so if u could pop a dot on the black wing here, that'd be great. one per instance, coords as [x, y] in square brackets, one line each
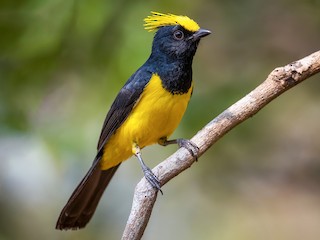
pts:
[123, 105]
[85, 198]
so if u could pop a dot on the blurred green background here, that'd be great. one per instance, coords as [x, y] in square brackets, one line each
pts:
[61, 65]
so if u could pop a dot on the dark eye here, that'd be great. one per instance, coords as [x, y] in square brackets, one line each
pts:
[178, 35]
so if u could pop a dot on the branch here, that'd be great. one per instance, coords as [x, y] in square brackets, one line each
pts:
[279, 80]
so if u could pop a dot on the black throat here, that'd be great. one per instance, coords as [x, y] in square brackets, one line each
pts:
[175, 74]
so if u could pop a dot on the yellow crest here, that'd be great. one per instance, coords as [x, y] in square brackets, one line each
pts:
[157, 20]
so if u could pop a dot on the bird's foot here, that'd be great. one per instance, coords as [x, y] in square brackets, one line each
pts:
[152, 179]
[192, 148]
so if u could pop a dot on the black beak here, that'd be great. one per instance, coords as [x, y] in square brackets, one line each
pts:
[200, 34]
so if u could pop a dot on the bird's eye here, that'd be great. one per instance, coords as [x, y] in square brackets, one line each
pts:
[178, 35]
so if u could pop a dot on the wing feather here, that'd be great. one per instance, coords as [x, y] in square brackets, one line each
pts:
[123, 105]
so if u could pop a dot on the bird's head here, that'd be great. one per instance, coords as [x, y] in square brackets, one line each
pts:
[176, 36]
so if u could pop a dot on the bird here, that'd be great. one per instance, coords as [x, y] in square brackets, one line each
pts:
[146, 111]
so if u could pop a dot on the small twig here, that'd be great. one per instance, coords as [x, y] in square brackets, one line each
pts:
[279, 80]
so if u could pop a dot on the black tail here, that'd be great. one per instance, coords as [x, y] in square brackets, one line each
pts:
[85, 198]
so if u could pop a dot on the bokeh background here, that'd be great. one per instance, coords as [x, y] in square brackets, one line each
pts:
[61, 65]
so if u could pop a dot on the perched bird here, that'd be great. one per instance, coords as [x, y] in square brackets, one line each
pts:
[147, 110]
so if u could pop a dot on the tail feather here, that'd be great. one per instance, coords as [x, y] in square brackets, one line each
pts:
[85, 198]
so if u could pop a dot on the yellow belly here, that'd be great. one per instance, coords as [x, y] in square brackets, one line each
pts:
[157, 114]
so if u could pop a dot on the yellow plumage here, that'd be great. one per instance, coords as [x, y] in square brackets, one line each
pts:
[157, 20]
[157, 114]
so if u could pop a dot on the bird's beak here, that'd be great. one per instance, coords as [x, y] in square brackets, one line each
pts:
[200, 34]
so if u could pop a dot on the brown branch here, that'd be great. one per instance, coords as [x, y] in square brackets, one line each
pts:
[279, 80]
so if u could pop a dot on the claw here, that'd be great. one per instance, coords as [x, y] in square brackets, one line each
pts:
[190, 146]
[152, 179]
[148, 174]
[185, 143]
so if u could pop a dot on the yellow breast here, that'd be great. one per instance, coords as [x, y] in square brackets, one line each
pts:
[156, 114]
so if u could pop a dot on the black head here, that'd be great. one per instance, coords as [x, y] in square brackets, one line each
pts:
[176, 42]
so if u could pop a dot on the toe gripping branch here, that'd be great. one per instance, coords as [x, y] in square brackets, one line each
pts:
[185, 143]
[148, 174]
